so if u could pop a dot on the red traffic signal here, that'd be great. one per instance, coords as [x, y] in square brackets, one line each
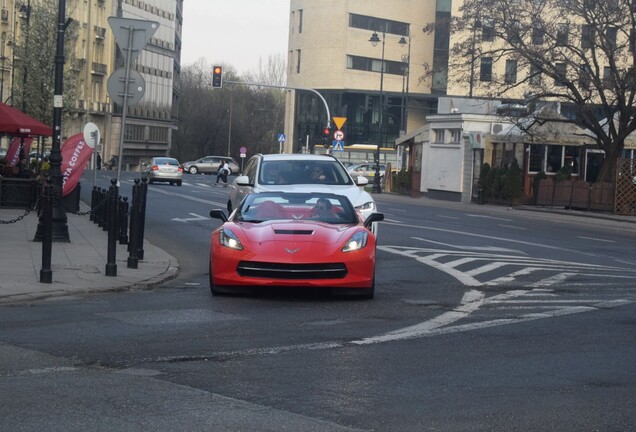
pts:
[217, 76]
[326, 131]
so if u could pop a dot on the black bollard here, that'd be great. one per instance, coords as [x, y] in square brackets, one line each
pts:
[143, 192]
[106, 205]
[46, 274]
[123, 220]
[133, 259]
[111, 264]
[101, 201]
[93, 204]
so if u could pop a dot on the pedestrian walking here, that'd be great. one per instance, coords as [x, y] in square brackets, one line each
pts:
[224, 170]
[99, 161]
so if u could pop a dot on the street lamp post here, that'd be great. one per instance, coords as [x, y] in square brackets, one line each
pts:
[407, 73]
[2, 59]
[60, 225]
[377, 187]
[26, 9]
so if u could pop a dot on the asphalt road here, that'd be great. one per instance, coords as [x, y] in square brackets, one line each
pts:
[484, 319]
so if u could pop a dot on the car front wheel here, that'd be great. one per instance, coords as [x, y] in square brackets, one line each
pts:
[193, 170]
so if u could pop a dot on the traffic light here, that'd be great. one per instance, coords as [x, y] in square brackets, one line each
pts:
[326, 137]
[217, 76]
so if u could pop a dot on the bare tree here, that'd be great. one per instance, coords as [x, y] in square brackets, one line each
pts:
[218, 121]
[271, 72]
[35, 71]
[576, 52]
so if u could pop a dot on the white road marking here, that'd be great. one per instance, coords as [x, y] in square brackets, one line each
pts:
[488, 217]
[192, 219]
[476, 248]
[447, 217]
[596, 239]
[513, 227]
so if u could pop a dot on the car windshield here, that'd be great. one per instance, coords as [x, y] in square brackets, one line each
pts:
[289, 172]
[323, 207]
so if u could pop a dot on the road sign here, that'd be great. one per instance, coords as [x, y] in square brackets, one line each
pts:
[91, 135]
[282, 138]
[338, 135]
[116, 85]
[141, 31]
[338, 146]
[243, 149]
[339, 121]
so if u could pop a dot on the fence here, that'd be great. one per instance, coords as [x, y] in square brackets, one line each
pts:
[576, 195]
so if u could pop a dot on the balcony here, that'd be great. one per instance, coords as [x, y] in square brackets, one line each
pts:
[100, 32]
[98, 68]
[78, 64]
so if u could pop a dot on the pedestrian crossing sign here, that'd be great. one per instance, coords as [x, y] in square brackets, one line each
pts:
[338, 146]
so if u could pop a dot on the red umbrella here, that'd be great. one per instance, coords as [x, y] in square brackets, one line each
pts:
[15, 122]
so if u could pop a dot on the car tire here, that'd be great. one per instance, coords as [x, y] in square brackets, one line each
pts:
[150, 181]
[193, 170]
[179, 183]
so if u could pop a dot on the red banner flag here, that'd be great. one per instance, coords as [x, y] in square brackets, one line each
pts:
[13, 153]
[75, 154]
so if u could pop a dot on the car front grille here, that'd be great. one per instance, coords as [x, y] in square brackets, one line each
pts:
[291, 271]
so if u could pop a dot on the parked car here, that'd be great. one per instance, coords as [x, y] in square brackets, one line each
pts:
[210, 165]
[163, 169]
[299, 173]
[366, 170]
[294, 240]
[3, 153]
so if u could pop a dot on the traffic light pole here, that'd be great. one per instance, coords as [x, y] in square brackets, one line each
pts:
[291, 88]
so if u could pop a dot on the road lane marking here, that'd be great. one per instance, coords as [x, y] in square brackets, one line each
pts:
[596, 239]
[488, 217]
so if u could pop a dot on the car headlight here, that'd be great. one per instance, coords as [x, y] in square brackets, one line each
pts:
[229, 239]
[366, 207]
[356, 242]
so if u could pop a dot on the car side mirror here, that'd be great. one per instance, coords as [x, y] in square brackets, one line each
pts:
[361, 181]
[373, 217]
[220, 214]
[243, 181]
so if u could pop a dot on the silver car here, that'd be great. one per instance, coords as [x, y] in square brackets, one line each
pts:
[163, 169]
[210, 165]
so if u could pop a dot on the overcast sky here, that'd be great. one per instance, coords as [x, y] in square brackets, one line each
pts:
[235, 32]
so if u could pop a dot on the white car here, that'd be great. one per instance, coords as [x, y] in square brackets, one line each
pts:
[366, 170]
[300, 173]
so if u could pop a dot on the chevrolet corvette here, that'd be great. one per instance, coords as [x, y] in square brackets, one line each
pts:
[294, 240]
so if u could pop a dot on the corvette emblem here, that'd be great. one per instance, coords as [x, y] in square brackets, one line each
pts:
[292, 251]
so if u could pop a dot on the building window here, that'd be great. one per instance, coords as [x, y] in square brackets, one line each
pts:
[374, 65]
[300, 21]
[298, 56]
[561, 74]
[535, 75]
[611, 37]
[439, 135]
[562, 35]
[485, 73]
[511, 72]
[584, 77]
[537, 157]
[456, 135]
[538, 35]
[378, 24]
[587, 36]
[487, 30]
[608, 80]
[554, 159]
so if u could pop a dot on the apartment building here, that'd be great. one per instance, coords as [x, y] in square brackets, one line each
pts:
[149, 124]
[353, 53]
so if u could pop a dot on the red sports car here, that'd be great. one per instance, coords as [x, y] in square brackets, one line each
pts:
[279, 239]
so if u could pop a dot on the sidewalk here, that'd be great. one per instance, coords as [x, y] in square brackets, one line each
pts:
[77, 267]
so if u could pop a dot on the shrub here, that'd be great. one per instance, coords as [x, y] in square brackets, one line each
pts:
[512, 182]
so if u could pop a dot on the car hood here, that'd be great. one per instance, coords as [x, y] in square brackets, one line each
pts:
[296, 232]
[356, 195]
